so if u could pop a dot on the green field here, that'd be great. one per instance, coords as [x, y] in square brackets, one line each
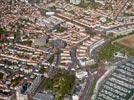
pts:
[43, 69]
[94, 66]
[3, 31]
[107, 52]
[61, 84]
[51, 59]
[16, 81]
[1, 76]
[91, 91]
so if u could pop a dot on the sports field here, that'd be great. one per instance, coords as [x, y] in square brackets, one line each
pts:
[127, 41]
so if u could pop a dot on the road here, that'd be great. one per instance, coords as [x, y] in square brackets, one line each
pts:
[85, 92]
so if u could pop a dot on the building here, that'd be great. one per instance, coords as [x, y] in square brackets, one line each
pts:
[76, 2]
[41, 41]
[100, 1]
[119, 84]
[43, 96]
[34, 85]
[81, 74]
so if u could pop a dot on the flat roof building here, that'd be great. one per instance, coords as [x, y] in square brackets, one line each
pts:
[43, 96]
[75, 1]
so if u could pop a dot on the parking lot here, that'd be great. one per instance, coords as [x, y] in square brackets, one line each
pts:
[120, 84]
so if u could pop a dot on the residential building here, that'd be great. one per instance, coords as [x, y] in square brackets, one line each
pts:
[75, 2]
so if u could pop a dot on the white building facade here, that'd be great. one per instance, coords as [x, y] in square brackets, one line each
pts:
[75, 1]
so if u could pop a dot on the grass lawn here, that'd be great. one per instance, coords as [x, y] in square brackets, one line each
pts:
[130, 51]
[0, 45]
[94, 66]
[43, 69]
[51, 59]
[61, 29]
[16, 81]
[1, 76]
[91, 91]
[107, 52]
[1, 42]
[3, 31]
[128, 14]
[128, 43]
[61, 84]
[83, 5]
[130, 94]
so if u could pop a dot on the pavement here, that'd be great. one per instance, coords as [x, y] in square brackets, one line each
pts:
[85, 92]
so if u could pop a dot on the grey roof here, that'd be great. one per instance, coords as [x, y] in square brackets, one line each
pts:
[41, 41]
[43, 96]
